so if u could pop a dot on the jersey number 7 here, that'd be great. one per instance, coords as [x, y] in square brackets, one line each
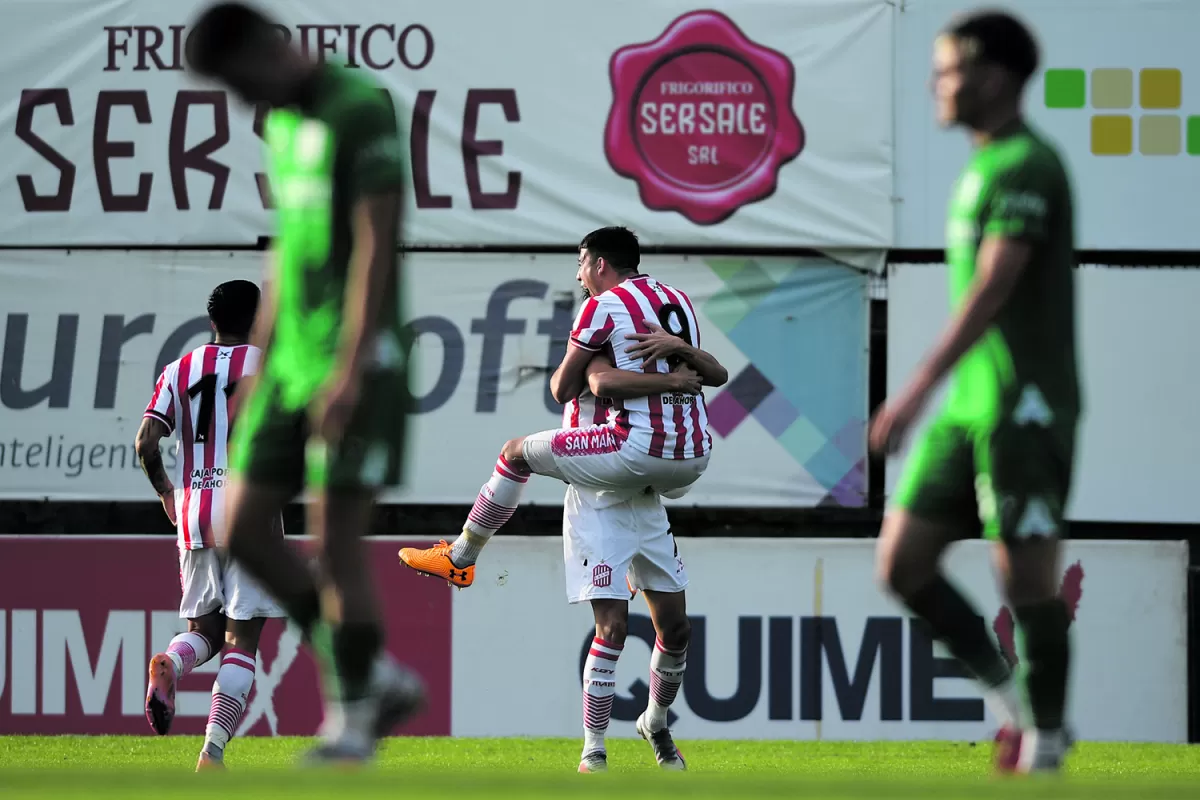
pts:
[206, 388]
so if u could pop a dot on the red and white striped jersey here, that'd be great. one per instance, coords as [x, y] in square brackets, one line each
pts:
[586, 410]
[192, 399]
[673, 426]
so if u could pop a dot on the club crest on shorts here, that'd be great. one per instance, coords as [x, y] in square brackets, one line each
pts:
[601, 576]
[702, 118]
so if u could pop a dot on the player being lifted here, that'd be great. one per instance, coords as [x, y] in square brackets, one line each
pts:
[1001, 450]
[224, 607]
[329, 407]
[654, 441]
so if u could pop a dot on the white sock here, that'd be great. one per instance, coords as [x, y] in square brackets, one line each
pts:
[229, 693]
[188, 651]
[1041, 749]
[1004, 703]
[494, 506]
[599, 688]
[666, 676]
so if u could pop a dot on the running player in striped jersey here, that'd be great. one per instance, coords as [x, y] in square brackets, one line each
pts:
[224, 607]
[629, 345]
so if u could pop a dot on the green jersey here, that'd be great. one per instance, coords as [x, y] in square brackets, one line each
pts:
[1025, 364]
[343, 146]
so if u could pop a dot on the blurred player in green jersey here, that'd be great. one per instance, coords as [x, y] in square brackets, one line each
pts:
[997, 459]
[327, 411]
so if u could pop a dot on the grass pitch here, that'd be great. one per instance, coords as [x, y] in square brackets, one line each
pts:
[128, 766]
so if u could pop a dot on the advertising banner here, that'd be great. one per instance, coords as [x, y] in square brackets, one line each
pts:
[1122, 107]
[809, 648]
[1136, 454]
[727, 124]
[86, 336]
[74, 650]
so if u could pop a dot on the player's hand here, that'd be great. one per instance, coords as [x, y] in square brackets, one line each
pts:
[336, 407]
[655, 345]
[688, 380]
[168, 504]
[894, 419]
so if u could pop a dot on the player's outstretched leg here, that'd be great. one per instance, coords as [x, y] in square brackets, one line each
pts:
[909, 555]
[1029, 571]
[497, 500]
[599, 680]
[186, 652]
[667, 665]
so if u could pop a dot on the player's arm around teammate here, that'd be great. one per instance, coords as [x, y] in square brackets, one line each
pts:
[662, 344]
[605, 380]
[570, 378]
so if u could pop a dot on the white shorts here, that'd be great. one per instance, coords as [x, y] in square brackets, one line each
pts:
[211, 581]
[597, 459]
[604, 546]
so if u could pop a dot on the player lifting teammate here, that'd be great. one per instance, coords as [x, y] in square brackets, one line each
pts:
[652, 441]
[328, 409]
[1001, 450]
[224, 608]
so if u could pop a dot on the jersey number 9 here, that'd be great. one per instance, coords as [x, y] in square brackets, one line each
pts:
[675, 322]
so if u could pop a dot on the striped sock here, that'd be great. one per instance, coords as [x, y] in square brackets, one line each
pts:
[188, 651]
[229, 693]
[497, 501]
[666, 676]
[599, 688]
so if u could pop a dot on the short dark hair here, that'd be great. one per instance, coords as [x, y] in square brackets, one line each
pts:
[997, 37]
[232, 306]
[222, 29]
[615, 244]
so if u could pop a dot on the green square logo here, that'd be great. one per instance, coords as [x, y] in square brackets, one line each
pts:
[1066, 88]
[1193, 136]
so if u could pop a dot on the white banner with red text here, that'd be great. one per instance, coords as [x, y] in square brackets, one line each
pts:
[86, 335]
[809, 649]
[730, 125]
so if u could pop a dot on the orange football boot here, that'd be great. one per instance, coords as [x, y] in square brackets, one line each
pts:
[435, 563]
[160, 694]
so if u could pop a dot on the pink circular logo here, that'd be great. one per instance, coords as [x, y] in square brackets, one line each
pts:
[702, 118]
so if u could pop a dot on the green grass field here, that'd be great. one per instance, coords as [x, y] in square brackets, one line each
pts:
[125, 766]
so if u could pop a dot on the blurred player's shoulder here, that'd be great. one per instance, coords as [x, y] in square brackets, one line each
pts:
[1030, 150]
[348, 96]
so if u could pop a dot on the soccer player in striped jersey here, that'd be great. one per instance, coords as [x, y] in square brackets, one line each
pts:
[652, 441]
[224, 607]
